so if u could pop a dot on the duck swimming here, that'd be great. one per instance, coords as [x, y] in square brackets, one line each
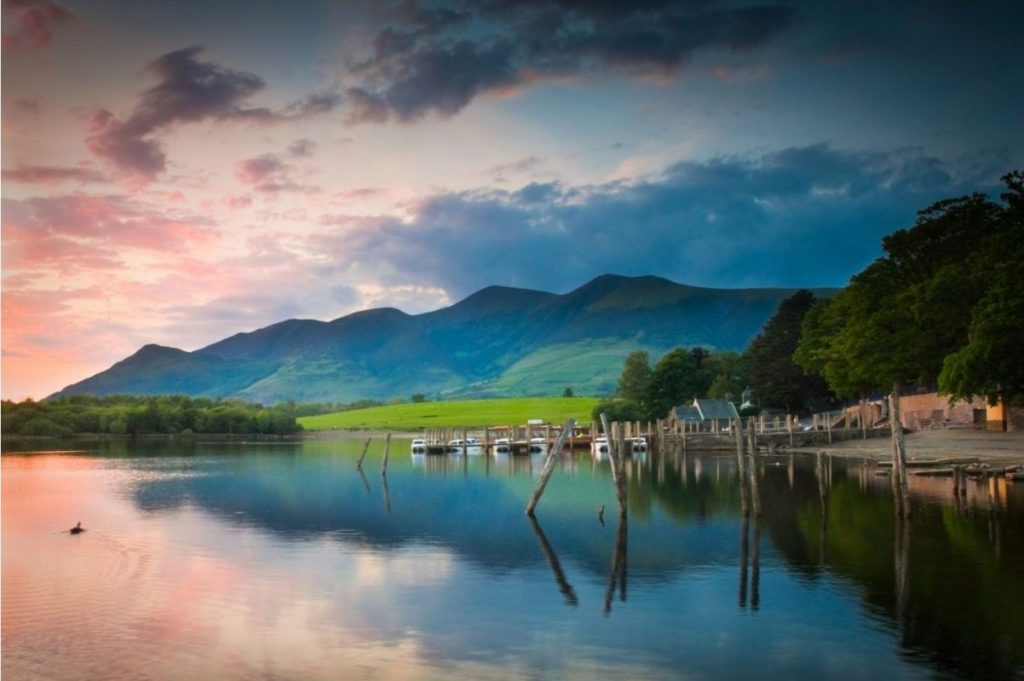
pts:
[77, 528]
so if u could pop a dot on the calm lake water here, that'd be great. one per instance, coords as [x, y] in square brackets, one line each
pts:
[281, 561]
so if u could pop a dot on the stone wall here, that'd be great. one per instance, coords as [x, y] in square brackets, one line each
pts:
[931, 410]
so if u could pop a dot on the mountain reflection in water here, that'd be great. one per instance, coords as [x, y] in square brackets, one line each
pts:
[309, 567]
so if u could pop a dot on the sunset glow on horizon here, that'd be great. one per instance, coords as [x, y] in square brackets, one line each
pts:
[176, 173]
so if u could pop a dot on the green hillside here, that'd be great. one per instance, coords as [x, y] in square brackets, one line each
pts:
[468, 413]
[498, 342]
[589, 367]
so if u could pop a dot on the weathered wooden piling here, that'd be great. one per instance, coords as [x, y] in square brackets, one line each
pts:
[741, 466]
[549, 465]
[387, 451]
[615, 461]
[899, 453]
[366, 447]
[755, 490]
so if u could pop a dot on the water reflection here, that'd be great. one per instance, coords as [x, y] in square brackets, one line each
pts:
[617, 574]
[441, 571]
[568, 593]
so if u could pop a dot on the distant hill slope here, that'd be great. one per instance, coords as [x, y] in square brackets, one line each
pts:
[497, 342]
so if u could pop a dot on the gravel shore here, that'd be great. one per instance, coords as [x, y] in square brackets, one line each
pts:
[993, 447]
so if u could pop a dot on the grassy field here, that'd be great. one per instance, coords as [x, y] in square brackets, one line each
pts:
[468, 413]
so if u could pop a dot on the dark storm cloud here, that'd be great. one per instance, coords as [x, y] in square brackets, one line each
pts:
[188, 91]
[806, 216]
[421, 66]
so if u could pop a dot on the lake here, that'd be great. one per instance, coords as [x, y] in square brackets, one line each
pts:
[283, 561]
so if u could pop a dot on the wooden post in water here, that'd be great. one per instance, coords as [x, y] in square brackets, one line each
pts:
[752, 422]
[617, 472]
[899, 452]
[789, 427]
[549, 465]
[755, 490]
[387, 451]
[465, 443]
[828, 426]
[362, 456]
[741, 466]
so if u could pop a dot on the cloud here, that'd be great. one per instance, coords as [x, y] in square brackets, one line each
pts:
[423, 62]
[32, 22]
[112, 223]
[526, 164]
[301, 148]
[52, 175]
[268, 173]
[803, 216]
[187, 91]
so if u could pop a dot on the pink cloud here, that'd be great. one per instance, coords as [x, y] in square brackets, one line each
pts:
[52, 175]
[32, 22]
[111, 221]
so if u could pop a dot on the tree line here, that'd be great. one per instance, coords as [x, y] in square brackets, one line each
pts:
[135, 415]
[943, 306]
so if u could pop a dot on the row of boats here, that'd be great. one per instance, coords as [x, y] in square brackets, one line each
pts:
[537, 445]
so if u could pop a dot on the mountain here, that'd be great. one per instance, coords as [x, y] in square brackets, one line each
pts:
[498, 341]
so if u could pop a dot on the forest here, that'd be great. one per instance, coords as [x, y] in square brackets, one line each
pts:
[135, 415]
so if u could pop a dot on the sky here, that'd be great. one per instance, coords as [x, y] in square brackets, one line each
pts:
[176, 173]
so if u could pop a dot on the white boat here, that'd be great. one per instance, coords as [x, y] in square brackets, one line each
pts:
[639, 444]
[469, 446]
[599, 447]
[419, 446]
[538, 445]
[502, 445]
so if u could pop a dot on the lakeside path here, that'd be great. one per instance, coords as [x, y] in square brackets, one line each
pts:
[995, 448]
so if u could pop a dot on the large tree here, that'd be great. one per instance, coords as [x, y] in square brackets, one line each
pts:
[991, 362]
[635, 378]
[776, 379]
[901, 318]
[676, 379]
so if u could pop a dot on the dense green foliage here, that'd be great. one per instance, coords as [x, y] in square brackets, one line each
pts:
[129, 415]
[776, 379]
[457, 413]
[680, 375]
[942, 305]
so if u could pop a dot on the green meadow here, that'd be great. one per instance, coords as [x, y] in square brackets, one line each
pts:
[468, 413]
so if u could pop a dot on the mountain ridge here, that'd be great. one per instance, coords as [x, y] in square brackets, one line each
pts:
[494, 342]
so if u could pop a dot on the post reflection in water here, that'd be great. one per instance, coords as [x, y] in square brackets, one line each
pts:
[568, 593]
[617, 574]
[744, 550]
[755, 575]
[901, 560]
[387, 494]
[366, 483]
[437, 569]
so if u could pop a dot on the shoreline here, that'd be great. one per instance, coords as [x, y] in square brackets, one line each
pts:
[1000, 448]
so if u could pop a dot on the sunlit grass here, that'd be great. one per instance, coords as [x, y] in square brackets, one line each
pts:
[469, 413]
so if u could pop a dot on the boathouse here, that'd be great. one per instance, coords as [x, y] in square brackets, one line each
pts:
[704, 414]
